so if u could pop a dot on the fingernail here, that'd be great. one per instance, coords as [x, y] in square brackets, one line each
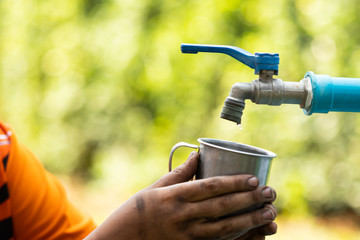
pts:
[253, 182]
[268, 215]
[267, 193]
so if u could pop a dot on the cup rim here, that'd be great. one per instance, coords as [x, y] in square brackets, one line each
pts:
[267, 154]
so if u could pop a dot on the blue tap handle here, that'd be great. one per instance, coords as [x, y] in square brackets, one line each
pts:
[257, 61]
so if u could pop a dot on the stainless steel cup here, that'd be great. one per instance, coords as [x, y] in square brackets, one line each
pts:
[220, 157]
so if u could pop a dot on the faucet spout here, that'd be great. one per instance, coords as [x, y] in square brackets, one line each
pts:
[233, 110]
[265, 91]
[235, 103]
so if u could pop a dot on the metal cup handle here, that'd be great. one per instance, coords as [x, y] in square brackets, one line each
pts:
[176, 146]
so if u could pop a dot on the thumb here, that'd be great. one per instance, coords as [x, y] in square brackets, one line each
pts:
[183, 173]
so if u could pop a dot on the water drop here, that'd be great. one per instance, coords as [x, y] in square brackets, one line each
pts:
[239, 126]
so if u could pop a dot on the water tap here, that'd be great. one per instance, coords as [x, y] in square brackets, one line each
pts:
[315, 93]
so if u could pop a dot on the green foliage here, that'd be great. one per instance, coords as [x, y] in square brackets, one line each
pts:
[100, 89]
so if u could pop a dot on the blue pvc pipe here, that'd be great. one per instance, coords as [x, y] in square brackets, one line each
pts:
[333, 94]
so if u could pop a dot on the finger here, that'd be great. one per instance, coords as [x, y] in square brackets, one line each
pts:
[268, 229]
[252, 237]
[234, 202]
[257, 237]
[260, 232]
[274, 195]
[272, 207]
[183, 173]
[212, 187]
[236, 224]
[246, 236]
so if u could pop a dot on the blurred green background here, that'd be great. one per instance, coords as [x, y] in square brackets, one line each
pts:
[100, 91]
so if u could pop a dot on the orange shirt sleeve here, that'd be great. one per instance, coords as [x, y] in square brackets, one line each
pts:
[39, 205]
[6, 227]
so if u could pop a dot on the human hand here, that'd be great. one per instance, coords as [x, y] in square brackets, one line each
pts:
[174, 208]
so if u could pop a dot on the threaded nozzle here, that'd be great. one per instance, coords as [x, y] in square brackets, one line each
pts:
[233, 109]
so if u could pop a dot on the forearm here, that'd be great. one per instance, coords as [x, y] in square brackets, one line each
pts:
[123, 223]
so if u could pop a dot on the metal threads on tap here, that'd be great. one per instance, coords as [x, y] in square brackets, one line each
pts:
[233, 109]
